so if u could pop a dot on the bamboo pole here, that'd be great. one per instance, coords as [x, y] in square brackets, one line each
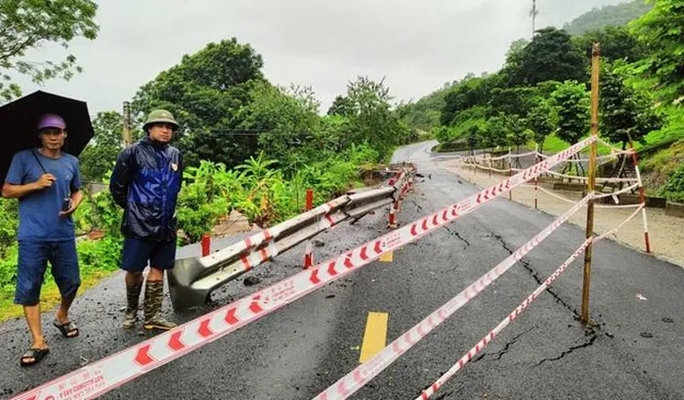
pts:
[595, 53]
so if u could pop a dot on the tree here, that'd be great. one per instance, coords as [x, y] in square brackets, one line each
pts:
[466, 94]
[98, 158]
[472, 137]
[371, 116]
[617, 43]
[517, 133]
[625, 113]
[340, 106]
[285, 120]
[661, 30]
[542, 120]
[495, 133]
[572, 102]
[550, 56]
[25, 25]
[515, 101]
[608, 15]
[206, 91]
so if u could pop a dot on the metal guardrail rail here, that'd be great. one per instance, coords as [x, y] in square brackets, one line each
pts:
[192, 280]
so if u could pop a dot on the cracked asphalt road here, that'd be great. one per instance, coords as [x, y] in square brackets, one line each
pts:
[635, 350]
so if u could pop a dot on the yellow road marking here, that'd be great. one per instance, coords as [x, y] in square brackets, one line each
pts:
[375, 336]
[387, 257]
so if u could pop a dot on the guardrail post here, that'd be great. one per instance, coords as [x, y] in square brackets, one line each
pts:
[309, 199]
[308, 256]
[392, 215]
[308, 252]
[206, 244]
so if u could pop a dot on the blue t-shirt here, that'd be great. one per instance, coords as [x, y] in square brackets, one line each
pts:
[39, 211]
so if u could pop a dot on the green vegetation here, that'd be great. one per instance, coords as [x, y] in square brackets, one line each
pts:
[250, 146]
[541, 96]
[30, 24]
[610, 15]
[256, 147]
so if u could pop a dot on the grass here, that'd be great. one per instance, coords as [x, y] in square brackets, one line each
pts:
[97, 260]
[50, 297]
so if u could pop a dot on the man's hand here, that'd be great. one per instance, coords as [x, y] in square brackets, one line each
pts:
[76, 198]
[67, 213]
[45, 181]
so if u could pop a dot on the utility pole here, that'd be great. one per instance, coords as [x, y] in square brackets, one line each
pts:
[126, 124]
[534, 13]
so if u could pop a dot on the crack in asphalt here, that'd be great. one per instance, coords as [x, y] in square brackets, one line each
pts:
[452, 232]
[535, 275]
[420, 208]
[593, 333]
[506, 348]
[458, 235]
[591, 341]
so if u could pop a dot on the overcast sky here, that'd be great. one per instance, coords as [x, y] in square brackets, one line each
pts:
[416, 44]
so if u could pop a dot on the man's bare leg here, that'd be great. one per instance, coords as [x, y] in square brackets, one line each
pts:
[32, 314]
[63, 311]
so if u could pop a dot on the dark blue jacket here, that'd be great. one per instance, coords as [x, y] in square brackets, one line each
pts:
[145, 183]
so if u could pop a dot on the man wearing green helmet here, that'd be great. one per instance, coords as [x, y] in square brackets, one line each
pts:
[145, 182]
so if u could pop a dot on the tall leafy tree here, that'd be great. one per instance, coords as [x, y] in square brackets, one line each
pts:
[372, 117]
[495, 133]
[341, 106]
[542, 120]
[25, 25]
[550, 56]
[468, 93]
[516, 101]
[100, 154]
[206, 91]
[517, 132]
[626, 114]
[617, 43]
[662, 31]
[572, 102]
[285, 119]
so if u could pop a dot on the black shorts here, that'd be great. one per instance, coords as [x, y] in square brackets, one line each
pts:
[138, 254]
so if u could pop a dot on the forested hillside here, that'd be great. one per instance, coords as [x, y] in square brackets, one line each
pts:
[541, 95]
[609, 15]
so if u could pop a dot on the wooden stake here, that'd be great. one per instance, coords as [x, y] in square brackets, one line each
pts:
[591, 187]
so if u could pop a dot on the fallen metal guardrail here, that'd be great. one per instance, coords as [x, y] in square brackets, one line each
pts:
[192, 280]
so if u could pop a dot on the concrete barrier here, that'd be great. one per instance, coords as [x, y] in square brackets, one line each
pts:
[651, 202]
[674, 209]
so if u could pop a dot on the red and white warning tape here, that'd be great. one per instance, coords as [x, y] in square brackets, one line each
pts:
[492, 335]
[111, 372]
[363, 374]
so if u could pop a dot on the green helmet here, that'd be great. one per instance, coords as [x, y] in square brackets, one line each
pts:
[159, 115]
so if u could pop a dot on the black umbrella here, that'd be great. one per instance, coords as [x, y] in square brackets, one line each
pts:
[18, 121]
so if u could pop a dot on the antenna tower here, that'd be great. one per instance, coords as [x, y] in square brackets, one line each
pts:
[534, 12]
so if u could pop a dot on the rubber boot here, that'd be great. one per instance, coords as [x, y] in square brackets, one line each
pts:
[131, 314]
[154, 294]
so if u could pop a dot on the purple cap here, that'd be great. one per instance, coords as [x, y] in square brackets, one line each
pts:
[51, 121]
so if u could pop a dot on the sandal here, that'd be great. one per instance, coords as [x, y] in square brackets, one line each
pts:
[68, 329]
[35, 354]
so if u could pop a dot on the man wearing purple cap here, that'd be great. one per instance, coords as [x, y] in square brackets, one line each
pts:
[47, 183]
